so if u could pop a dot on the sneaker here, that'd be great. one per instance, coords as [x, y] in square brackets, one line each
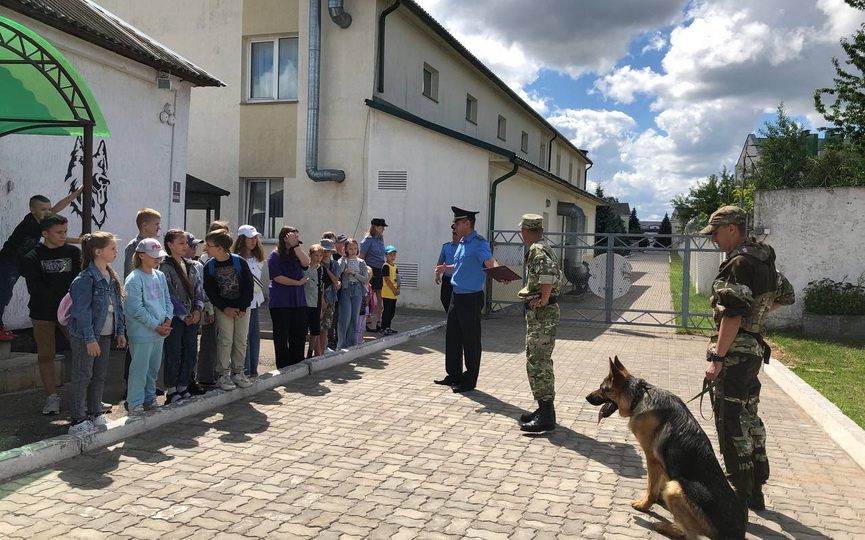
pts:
[196, 389]
[106, 407]
[81, 427]
[6, 335]
[224, 383]
[241, 380]
[186, 394]
[160, 392]
[138, 409]
[150, 405]
[100, 421]
[173, 397]
[52, 404]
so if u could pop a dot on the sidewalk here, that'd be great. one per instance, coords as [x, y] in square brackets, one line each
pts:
[373, 449]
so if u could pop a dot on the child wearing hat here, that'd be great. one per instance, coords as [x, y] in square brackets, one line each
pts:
[389, 290]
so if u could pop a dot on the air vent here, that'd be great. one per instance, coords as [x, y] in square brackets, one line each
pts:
[408, 275]
[392, 180]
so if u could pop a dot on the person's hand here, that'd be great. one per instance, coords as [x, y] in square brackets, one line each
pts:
[231, 312]
[208, 319]
[80, 189]
[438, 278]
[196, 317]
[713, 370]
[241, 314]
[304, 280]
[292, 239]
[163, 330]
[440, 269]
[505, 282]
[121, 342]
[338, 285]
[93, 349]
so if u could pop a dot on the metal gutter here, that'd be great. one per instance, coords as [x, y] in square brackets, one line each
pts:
[390, 9]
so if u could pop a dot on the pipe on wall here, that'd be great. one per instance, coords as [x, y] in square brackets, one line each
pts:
[381, 19]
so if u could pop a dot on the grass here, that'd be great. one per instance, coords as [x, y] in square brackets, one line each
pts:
[835, 368]
[697, 303]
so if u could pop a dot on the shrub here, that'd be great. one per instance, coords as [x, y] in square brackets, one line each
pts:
[827, 297]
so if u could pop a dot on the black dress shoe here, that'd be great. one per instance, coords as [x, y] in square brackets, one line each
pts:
[447, 381]
[196, 389]
[462, 387]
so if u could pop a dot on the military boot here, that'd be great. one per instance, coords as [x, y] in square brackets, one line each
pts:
[529, 416]
[756, 501]
[544, 421]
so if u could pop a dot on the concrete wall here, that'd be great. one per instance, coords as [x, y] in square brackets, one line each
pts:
[815, 233]
[140, 160]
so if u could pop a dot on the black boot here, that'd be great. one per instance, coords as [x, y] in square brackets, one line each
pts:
[756, 501]
[544, 421]
[529, 416]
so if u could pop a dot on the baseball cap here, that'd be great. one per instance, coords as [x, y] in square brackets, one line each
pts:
[327, 244]
[341, 238]
[390, 249]
[192, 240]
[152, 247]
[247, 231]
[726, 215]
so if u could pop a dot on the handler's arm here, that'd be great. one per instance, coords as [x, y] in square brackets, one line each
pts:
[726, 334]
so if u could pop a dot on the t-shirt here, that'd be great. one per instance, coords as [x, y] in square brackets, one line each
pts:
[49, 273]
[391, 271]
[24, 238]
[225, 287]
[313, 287]
[284, 295]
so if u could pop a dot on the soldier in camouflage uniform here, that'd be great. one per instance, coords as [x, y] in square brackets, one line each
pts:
[543, 285]
[746, 289]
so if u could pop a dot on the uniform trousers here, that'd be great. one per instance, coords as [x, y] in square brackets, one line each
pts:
[463, 338]
[446, 292]
[541, 325]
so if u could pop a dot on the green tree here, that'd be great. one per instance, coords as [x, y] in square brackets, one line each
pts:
[665, 228]
[704, 198]
[784, 161]
[607, 221]
[635, 228]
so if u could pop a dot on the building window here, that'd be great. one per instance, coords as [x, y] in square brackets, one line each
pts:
[471, 109]
[502, 132]
[273, 69]
[430, 82]
[570, 171]
[558, 165]
[524, 143]
[543, 156]
[264, 205]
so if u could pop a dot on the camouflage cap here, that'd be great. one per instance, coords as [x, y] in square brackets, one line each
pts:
[531, 222]
[726, 215]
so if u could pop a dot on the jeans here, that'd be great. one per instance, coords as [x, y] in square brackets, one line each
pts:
[88, 378]
[289, 334]
[9, 274]
[146, 360]
[253, 343]
[180, 354]
[350, 297]
[231, 336]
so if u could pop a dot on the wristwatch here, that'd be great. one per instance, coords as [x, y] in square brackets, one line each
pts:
[713, 357]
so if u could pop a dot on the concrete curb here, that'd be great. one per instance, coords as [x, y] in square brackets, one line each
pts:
[845, 432]
[31, 457]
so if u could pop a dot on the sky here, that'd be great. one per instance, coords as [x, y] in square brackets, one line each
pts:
[662, 93]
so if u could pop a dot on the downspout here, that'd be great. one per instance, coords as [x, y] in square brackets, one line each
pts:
[488, 300]
[550, 152]
[381, 18]
[343, 19]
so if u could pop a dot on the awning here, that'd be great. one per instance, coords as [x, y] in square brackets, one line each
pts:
[40, 91]
[201, 195]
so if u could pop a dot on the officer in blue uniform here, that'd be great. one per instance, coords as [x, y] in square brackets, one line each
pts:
[463, 335]
[446, 257]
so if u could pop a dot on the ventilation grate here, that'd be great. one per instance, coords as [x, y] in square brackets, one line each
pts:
[408, 275]
[392, 180]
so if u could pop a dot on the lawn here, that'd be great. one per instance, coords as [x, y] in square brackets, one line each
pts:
[697, 303]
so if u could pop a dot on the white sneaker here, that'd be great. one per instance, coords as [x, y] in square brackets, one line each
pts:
[100, 421]
[106, 407]
[81, 427]
[52, 404]
[138, 409]
[241, 380]
[225, 383]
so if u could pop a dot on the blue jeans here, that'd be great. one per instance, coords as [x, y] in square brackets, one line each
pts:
[180, 353]
[146, 359]
[253, 343]
[350, 297]
[9, 274]
[88, 378]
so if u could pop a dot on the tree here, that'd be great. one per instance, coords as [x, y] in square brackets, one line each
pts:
[784, 160]
[703, 199]
[665, 228]
[635, 228]
[607, 221]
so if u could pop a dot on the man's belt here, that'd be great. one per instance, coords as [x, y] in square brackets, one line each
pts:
[551, 301]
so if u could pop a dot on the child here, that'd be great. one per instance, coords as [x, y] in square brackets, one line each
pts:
[206, 311]
[49, 269]
[249, 247]
[187, 297]
[313, 287]
[96, 316]
[390, 290]
[329, 294]
[287, 297]
[354, 276]
[206, 366]
[229, 286]
[148, 311]
[24, 238]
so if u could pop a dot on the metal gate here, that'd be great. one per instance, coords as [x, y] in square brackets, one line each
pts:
[619, 278]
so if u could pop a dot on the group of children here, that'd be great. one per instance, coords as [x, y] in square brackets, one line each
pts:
[169, 296]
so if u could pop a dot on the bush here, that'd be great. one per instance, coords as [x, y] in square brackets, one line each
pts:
[827, 297]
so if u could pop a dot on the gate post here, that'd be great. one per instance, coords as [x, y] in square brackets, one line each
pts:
[686, 281]
[608, 286]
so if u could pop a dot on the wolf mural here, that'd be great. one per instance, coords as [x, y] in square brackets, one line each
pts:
[74, 177]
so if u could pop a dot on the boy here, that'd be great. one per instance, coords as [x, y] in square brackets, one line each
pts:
[229, 286]
[49, 269]
[192, 244]
[24, 238]
[389, 290]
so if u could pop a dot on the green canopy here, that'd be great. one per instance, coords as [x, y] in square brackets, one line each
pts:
[40, 91]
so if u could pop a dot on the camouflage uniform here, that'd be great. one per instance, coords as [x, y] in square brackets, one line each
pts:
[747, 284]
[542, 268]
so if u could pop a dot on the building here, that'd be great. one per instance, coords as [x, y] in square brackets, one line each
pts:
[367, 110]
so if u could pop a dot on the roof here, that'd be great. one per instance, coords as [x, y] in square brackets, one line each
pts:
[200, 186]
[620, 208]
[92, 23]
[440, 30]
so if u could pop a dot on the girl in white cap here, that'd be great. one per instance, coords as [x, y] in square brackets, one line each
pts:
[248, 246]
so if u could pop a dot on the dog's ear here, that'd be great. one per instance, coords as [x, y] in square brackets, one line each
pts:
[617, 369]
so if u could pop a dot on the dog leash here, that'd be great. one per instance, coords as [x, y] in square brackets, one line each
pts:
[707, 387]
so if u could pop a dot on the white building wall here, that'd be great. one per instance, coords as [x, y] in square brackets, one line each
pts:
[141, 158]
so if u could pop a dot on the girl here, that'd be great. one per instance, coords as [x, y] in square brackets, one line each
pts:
[287, 299]
[354, 276]
[313, 287]
[96, 316]
[187, 297]
[249, 247]
[372, 252]
[148, 311]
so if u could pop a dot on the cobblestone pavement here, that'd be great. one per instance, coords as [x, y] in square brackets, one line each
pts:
[373, 449]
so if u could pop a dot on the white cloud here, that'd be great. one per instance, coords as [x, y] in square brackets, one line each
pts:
[657, 42]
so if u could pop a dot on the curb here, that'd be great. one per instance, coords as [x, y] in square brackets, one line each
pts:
[845, 432]
[31, 457]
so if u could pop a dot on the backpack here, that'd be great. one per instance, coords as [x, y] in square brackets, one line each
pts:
[235, 258]
[64, 310]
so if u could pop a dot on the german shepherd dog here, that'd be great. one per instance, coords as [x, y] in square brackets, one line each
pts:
[681, 466]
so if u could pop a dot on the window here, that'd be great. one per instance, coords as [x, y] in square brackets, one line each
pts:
[273, 69]
[570, 171]
[264, 205]
[558, 164]
[503, 128]
[471, 109]
[543, 156]
[430, 82]
[524, 143]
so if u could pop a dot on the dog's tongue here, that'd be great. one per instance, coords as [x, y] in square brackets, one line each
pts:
[600, 415]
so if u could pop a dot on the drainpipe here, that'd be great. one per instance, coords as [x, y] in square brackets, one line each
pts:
[550, 152]
[343, 19]
[488, 300]
[381, 17]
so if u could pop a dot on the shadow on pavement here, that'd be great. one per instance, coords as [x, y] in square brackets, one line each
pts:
[788, 525]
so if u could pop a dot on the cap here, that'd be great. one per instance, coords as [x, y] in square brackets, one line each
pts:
[327, 244]
[726, 215]
[341, 238]
[531, 222]
[152, 247]
[459, 213]
[378, 222]
[192, 240]
[247, 231]
[390, 249]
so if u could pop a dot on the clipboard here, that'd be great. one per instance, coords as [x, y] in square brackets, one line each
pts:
[502, 273]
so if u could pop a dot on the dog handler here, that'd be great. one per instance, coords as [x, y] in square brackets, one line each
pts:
[746, 289]
[543, 285]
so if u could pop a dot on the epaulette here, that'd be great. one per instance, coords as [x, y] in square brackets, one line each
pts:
[479, 237]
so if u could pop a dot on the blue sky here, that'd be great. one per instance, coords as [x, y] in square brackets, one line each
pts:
[661, 92]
